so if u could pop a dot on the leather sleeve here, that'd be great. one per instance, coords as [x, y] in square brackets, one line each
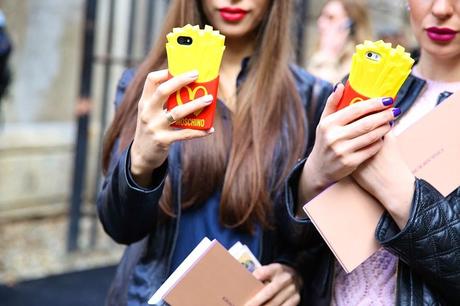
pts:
[430, 242]
[127, 211]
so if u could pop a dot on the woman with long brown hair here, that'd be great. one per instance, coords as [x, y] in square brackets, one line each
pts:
[167, 188]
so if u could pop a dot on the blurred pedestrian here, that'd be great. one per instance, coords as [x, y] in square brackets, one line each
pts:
[6, 48]
[394, 36]
[341, 26]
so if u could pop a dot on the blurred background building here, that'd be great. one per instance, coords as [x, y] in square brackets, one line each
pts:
[68, 56]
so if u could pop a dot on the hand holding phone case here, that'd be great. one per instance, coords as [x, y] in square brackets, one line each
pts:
[377, 70]
[191, 48]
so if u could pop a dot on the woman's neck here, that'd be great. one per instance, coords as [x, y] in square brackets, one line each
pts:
[235, 52]
[444, 70]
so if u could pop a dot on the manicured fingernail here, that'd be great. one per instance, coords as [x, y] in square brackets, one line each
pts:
[396, 112]
[335, 87]
[208, 99]
[192, 74]
[392, 123]
[387, 101]
[211, 130]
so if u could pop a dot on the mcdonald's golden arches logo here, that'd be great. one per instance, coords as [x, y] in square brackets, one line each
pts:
[356, 100]
[191, 94]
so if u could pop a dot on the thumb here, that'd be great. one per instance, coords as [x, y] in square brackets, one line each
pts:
[264, 273]
[333, 100]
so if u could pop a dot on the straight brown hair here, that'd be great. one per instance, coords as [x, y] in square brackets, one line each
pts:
[268, 133]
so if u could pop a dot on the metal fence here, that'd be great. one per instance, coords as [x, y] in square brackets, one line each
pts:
[117, 34]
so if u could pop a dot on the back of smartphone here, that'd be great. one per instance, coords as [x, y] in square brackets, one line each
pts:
[191, 48]
[377, 70]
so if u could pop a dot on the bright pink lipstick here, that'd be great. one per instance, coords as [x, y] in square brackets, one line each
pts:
[232, 14]
[441, 34]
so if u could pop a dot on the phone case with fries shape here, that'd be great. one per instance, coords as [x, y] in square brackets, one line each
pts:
[202, 51]
[377, 70]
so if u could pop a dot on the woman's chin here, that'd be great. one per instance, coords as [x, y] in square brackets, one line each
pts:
[234, 32]
[443, 51]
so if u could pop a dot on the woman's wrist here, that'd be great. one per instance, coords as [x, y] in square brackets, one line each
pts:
[141, 176]
[397, 197]
[312, 183]
[141, 170]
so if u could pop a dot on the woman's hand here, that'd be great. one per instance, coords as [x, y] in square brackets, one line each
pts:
[282, 286]
[344, 140]
[153, 134]
[387, 177]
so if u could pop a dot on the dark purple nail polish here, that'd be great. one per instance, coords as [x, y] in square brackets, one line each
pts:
[396, 112]
[335, 87]
[387, 101]
[392, 123]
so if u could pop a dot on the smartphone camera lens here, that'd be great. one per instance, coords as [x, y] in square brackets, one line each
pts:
[373, 56]
[184, 40]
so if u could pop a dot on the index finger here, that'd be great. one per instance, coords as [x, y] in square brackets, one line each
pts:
[266, 294]
[358, 110]
[168, 87]
[152, 81]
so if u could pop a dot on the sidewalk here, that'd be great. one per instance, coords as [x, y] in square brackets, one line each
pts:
[35, 249]
[84, 288]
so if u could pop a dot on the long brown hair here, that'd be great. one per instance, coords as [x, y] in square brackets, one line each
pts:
[240, 159]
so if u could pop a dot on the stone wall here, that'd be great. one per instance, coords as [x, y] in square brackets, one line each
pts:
[36, 139]
[38, 133]
[38, 136]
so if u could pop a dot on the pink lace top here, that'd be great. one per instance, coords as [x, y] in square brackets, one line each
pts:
[374, 281]
[425, 102]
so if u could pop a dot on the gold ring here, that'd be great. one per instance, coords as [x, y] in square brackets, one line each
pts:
[169, 117]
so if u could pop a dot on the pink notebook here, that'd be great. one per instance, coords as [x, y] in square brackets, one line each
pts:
[209, 276]
[346, 216]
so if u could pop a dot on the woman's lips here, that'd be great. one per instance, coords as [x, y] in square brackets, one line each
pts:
[232, 14]
[441, 34]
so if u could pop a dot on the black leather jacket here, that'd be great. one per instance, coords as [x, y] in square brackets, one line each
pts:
[428, 247]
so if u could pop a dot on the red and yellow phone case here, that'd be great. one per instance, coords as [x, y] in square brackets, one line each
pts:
[202, 52]
[377, 70]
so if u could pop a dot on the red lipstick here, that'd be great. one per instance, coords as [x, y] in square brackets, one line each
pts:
[441, 34]
[232, 14]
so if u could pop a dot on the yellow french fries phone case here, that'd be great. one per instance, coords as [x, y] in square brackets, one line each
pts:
[377, 70]
[191, 48]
